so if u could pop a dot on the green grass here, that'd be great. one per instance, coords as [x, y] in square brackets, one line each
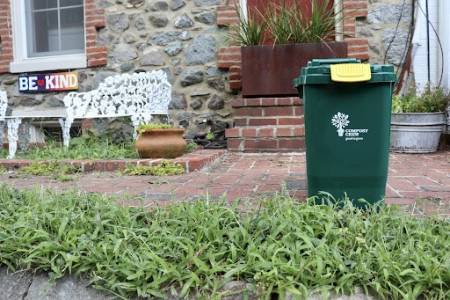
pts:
[282, 246]
[82, 149]
[79, 150]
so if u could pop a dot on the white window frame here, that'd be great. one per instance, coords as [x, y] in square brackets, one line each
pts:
[22, 63]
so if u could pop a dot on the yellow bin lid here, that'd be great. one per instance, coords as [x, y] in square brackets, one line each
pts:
[350, 72]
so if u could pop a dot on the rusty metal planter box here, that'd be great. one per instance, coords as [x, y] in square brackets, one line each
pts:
[269, 70]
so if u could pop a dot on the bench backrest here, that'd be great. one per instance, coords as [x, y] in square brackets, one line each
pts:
[138, 95]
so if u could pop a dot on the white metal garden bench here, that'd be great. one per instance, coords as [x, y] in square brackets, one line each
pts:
[138, 95]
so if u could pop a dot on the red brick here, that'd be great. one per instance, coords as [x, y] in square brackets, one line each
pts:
[298, 111]
[292, 143]
[402, 185]
[86, 124]
[354, 4]
[290, 121]
[234, 143]
[235, 69]
[110, 166]
[253, 102]
[96, 56]
[244, 111]
[262, 121]
[299, 131]
[234, 76]
[88, 166]
[237, 103]
[266, 132]
[280, 132]
[361, 56]
[297, 101]
[248, 133]
[268, 101]
[260, 144]
[196, 164]
[284, 101]
[229, 50]
[233, 132]
[99, 62]
[357, 42]
[278, 111]
[235, 85]
[240, 122]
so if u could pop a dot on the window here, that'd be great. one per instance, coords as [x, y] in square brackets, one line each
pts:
[48, 35]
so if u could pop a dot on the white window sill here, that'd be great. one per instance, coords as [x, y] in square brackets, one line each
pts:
[49, 63]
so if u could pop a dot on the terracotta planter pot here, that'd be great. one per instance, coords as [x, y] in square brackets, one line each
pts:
[270, 70]
[161, 143]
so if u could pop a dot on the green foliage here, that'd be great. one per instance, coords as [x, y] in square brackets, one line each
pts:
[165, 168]
[288, 23]
[53, 168]
[432, 100]
[282, 246]
[143, 127]
[3, 170]
[190, 147]
[249, 32]
[87, 147]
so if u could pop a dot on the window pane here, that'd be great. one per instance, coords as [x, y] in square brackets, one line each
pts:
[43, 4]
[40, 26]
[57, 31]
[72, 17]
[64, 3]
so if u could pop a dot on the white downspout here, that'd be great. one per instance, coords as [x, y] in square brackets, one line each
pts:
[338, 11]
[244, 9]
[444, 30]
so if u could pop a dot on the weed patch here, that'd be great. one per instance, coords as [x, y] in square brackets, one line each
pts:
[58, 170]
[165, 168]
[282, 246]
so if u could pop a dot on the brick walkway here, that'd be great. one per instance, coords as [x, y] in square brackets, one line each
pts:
[419, 182]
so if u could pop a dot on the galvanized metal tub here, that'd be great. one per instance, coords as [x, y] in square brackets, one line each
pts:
[416, 132]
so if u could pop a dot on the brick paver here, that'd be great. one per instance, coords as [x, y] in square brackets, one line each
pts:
[420, 182]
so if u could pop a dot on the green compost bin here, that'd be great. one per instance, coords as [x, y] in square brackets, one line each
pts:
[347, 110]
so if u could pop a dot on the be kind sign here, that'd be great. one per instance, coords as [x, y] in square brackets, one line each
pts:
[48, 82]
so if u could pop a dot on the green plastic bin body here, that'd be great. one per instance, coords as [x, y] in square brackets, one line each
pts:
[347, 132]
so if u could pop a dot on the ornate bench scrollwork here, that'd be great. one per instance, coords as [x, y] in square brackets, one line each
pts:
[139, 96]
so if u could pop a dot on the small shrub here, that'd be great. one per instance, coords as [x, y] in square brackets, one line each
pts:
[190, 147]
[143, 127]
[432, 100]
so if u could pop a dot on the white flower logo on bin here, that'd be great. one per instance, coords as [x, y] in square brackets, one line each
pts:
[340, 121]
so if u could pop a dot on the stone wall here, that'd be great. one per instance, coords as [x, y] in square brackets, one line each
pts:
[178, 36]
[387, 27]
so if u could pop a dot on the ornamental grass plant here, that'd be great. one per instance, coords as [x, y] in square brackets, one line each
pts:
[287, 22]
[283, 245]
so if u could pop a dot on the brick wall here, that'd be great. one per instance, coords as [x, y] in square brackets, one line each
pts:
[94, 17]
[6, 40]
[230, 56]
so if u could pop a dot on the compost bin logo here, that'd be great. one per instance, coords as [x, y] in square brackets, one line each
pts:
[340, 121]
